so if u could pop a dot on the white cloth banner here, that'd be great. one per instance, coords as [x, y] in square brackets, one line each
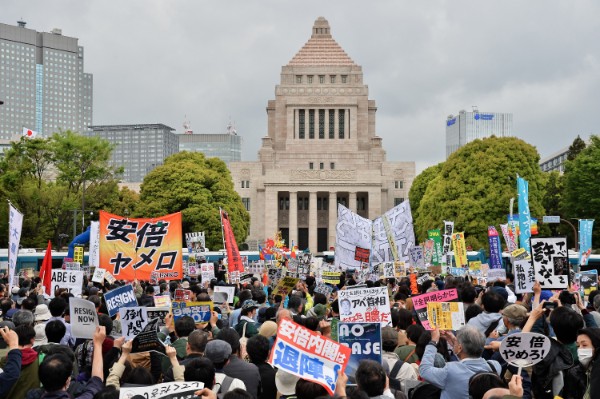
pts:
[15, 226]
[94, 258]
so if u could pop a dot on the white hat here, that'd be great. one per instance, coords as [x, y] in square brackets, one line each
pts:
[42, 313]
[285, 382]
[40, 335]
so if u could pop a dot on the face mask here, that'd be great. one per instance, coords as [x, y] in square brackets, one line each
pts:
[585, 356]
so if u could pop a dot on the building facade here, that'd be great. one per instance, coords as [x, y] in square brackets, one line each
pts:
[42, 82]
[321, 149]
[468, 126]
[138, 160]
[225, 146]
[555, 162]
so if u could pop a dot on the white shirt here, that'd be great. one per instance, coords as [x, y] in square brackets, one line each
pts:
[236, 383]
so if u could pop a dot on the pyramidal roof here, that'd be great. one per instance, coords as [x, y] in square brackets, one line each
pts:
[321, 49]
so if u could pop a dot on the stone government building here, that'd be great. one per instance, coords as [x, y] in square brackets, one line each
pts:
[321, 149]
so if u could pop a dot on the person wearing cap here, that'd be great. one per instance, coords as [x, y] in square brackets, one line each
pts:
[247, 316]
[219, 352]
[397, 370]
[286, 384]
[42, 314]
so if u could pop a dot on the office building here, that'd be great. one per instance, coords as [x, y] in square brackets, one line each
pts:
[138, 148]
[468, 126]
[225, 146]
[42, 82]
[321, 149]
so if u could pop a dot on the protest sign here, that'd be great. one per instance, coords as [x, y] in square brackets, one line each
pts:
[159, 313]
[330, 277]
[399, 269]
[133, 321]
[588, 281]
[365, 305]
[585, 240]
[199, 311]
[420, 302]
[69, 279]
[285, 286]
[78, 255]
[133, 248]
[27, 273]
[256, 267]
[84, 318]
[423, 278]
[154, 278]
[496, 274]
[274, 276]
[98, 275]
[324, 289]
[195, 242]
[428, 249]
[109, 277]
[550, 261]
[519, 254]
[228, 290]
[166, 390]
[460, 249]
[458, 271]
[364, 340]
[122, 297]
[495, 248]
[387, 270]
[94, 252]
[308, 355]
[446, 315]
[446, 242]
[183, 295]
[474, 265]
[436, 236]
[417, 259]
[162, 301]
[234, 259]
[192, 270]
[524, 276]
[72, 266]
[524, 349]
[147, 339]
[207, 272]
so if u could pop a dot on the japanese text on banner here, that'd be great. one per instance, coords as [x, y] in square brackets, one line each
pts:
[365, 305]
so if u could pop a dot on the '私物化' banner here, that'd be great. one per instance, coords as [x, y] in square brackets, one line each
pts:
[585, 240]
[134, 248]
[495, 249]
[460, 249]
[234, 260]
[524, 215]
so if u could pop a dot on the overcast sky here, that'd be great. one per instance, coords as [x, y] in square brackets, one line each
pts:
[157, 61]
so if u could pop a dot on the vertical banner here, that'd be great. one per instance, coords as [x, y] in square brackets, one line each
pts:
[460, 249]
[585, 240]
[509, 238]
[524, 215]
[234, 260]
[15, 225]
[134, 248]
[495, 249]
[428, 251]
[94, 254]
[436, 236]
[447, 259]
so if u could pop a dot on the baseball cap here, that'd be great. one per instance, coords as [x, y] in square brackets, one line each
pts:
[516, 313]
[217, 351]
[249, 304]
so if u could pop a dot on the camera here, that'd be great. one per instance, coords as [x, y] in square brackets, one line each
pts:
[549, 305]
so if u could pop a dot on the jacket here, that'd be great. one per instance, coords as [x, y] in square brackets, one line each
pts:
[484, 320]
[558, 359]
[29, 378]
[577, 378]
[251, 329]
[11, 371]
[247, 372]
[453, 379]
[93, 386]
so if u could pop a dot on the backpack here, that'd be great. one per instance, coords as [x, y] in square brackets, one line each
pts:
[224, 387]
[425, 390]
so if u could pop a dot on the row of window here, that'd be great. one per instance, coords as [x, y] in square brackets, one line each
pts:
[310, 79]
[311, 165]
[322, 203]
[321, 123]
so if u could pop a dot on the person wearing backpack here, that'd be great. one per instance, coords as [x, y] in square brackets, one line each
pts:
[397, 369]
[218, 352]
[453, 379]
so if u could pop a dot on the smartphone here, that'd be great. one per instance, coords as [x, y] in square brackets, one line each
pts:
[219, 316]
[549, 305]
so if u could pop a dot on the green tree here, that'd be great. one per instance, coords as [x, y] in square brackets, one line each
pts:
[474, 187]
[581, 185]
[198, 187]
[419, 186]
[575, 148]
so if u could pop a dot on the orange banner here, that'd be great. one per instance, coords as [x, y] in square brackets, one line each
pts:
[134, 248]
[234, 260]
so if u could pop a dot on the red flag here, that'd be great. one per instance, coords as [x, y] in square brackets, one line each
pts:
[46, 271]
[234, 260]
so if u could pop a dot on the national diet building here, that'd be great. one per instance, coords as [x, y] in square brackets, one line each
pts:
[321, 149]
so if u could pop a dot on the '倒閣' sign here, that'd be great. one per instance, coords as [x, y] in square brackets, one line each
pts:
[134, 248]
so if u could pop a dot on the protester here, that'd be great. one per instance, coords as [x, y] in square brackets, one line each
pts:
[371, 379]
[11, 369]
[57, 307]
[219, 353]
[238, 368]
[583, 380]
[247, 323]
[396, 369]
[258, 351]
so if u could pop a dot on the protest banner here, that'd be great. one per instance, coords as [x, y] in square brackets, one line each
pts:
[98, 276]
[157, 312]
[308, 355]
[207, 272]
[423, 278]
[446, 315]
[417, 259]
[133, 248]
[420, 303]
[109, 277]
[428, 249]
[524, 276]
[585, 240]
[228, 290]
[460, 249]
[495, 275]
[436, 236]
[550, 261]
[524, 349]
[15, 227]
[70, 279]
[166, 390]
[475, 265]
[147, 339]
[324, 289]
[524, 214]
[199, 311]
[285, 286]
[331, 277]
[234, 260]
[364, 340]
[133, 320]
[122, 297]
[94, 246]
[458, 271]
[509, 238]
[84, 318]
[162, 301]
[365, 305]
[588, 281]
[495, 248]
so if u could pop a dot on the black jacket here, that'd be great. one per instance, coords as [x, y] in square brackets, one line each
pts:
[559, 359]
[577, 378]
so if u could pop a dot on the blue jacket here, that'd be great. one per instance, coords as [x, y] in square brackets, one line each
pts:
[12, 371]
[453, 378]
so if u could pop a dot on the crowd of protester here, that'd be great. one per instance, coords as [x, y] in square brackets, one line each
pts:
[40, 358]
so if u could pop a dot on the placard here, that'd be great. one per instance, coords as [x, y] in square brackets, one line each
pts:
[199, 311]
[285, 286]
[331, 277]
[122, 297]
[69, 279]
[308, 355]
[72, 266]
[324, 289]
[162, 301]
[387, 270]
[159, 313]
[524, 276]
[365, 305]
[84, 318]
[166, 390]
[417, 260]
[77, 255]
[274, 276]
[98, 276]
[524, 349]
[446, 315]
[109, 277]
[496, 274]
[364, 339]
[550, 261]
[588, 281]
[420, 303]
[423, 278]
[458, 271]
[207, 272]
[133, 321]
[147, 339]
[228, 290]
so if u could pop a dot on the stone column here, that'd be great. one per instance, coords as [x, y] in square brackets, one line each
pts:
[293, 218]
[312, 221]
[271, 212]
[331, 232]
[374, 204]
[352, 201]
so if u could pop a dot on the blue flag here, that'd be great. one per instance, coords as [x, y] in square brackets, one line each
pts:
[585, 240]
[524, 215]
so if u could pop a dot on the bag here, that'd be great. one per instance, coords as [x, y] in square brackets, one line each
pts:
[394, 382]
[225, 385]
[425, 390]
[243, 343]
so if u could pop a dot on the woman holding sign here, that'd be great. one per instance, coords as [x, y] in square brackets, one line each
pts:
[583, 380]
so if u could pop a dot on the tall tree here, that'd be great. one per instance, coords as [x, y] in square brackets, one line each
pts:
[475, 184]
[419, 186]
[198, 187]
[575, 148]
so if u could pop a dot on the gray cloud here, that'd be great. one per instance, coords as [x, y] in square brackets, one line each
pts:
[157, 61]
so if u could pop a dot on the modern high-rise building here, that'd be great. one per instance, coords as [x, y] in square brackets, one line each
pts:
[138, 148]
[321, 149]
[42, 82]
[225, 146]
[468, 126]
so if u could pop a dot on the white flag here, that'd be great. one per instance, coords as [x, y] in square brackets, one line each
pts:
[15, 224]
[94, 258]
[31, 134]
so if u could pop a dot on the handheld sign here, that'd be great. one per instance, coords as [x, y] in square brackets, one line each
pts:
[84, 318]
[199, 311]
[285, 286]
[70, 279]
[98, 275]
[524, 349]
[365, 305]
[133, 321]
[364, 339]
[122, 297]
[166, 390]
[147, 339]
